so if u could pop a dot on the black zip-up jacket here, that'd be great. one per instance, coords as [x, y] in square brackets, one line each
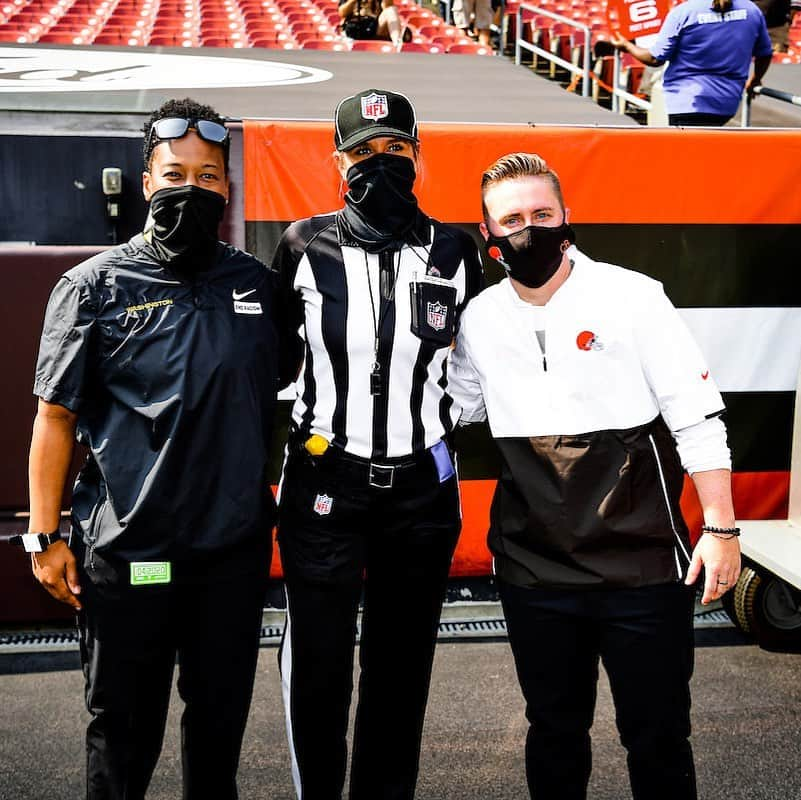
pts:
[174, 383]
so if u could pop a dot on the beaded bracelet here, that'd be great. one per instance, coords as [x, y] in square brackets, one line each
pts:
[721, 533]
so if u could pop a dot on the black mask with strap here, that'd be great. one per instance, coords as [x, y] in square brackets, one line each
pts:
[380, 207]
[182, 227]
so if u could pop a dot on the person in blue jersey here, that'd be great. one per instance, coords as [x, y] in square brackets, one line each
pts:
[160, 357]
[371, 296]
[709, 46]
[599, 400]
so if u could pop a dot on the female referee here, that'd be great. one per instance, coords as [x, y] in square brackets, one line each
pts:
[369, 503]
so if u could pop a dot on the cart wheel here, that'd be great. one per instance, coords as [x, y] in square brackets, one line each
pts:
[770, 609]
[738, 603]
[727, 601]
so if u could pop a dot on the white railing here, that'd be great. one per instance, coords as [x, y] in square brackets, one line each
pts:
[765, 91]
[520, 44]
[618, 93]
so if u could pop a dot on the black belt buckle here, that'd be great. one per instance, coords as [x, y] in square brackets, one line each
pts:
[381, 476]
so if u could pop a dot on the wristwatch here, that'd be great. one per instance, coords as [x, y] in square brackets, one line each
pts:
[35, 542]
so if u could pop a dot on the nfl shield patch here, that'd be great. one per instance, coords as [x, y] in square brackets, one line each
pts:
[375, 106]
[436, 316]
[322, 504]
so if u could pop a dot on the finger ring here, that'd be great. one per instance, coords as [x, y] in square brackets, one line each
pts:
[723, 583]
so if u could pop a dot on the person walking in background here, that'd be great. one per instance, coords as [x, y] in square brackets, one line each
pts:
[480, 12]
[709, 45]
[371, 297]
[598, 399]
[777, 19]
[372, 19]
[161, 355]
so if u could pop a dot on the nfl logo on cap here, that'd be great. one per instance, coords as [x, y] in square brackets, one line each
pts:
[375, 106]
[436, 315]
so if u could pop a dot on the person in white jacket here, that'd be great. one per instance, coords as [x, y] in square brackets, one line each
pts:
[599, 400]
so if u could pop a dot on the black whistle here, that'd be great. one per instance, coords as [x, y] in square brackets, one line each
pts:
[375, 382]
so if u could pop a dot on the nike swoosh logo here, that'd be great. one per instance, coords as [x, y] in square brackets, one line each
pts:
[704, 375]
[241, 295]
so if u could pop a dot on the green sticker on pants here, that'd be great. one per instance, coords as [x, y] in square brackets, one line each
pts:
[146, 573]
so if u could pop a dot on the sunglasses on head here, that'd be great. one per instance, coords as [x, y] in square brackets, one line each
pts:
[178, 127]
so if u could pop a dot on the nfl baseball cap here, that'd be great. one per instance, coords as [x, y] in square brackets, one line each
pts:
[371, 113]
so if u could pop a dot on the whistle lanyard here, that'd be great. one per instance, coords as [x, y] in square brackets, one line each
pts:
[378, 319]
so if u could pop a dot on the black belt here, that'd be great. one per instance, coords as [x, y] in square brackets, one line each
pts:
[380, 474]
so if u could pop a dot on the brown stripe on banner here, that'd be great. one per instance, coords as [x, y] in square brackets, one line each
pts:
[610, 175]
[757, 495]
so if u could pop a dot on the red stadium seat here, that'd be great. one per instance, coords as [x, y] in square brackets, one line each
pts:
[304, 15]
[541, 28]
[221, 41]
[62, 38]
[164, 41]
[430, 31]
[288, 6]
[75, 30]
[20, 37]
[323, 44]
[422, 18]
[303, 26]
[274, 42]
[374, 46]
[35, 17]
[631, 72]
[115, 39]
[302, 36]
[470, 49]
[446, 42]
[419, 47]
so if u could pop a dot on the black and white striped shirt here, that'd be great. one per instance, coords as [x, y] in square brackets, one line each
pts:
[326, 284]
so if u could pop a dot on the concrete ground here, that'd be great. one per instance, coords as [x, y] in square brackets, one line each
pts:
[747, 730]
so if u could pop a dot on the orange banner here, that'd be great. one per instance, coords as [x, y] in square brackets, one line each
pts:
[609, 175]
[757, 495]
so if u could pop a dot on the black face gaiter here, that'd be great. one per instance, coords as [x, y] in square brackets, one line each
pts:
[532, 255]
[380, 206]
[182, 227]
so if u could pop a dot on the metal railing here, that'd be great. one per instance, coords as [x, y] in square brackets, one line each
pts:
[521, 44]
[765, 91]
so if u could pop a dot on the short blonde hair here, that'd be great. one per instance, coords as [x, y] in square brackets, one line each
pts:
[519, 165]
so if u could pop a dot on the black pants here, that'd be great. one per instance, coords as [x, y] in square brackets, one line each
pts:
[698, 119]
[129, 642]
[645, 639]
[396, 544]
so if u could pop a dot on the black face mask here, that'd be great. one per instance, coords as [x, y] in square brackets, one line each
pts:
[532, 255]
[380, 206]
[182, 227]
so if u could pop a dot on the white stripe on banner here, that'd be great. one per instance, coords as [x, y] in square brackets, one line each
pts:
[749, 349]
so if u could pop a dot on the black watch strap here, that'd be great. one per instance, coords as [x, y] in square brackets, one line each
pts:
[35, 542]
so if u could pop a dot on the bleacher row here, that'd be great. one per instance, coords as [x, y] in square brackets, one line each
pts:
[314, 25]
[276, 24]
[568, 42]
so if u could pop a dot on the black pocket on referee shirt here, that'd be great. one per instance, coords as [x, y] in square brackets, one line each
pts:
[433, 311]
